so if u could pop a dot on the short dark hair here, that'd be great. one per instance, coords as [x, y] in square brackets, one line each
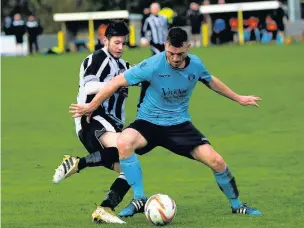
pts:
[116, 28]
[177, 36]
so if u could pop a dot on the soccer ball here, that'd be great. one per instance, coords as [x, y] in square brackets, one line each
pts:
[160, 209]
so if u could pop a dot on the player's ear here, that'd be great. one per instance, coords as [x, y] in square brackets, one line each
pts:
[105, 41]
[188, 45]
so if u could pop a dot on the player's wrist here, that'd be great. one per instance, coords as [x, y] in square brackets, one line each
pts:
[92, 106]
[237, 98]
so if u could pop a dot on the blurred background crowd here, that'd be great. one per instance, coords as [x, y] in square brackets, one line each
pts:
[31, 22]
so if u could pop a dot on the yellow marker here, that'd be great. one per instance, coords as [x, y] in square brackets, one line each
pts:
[205, 37]
[60, 36]
[241, 28]
[132, 36]
[91, 36]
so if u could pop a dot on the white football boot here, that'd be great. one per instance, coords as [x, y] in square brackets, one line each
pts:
[68, 167]
[105, 215]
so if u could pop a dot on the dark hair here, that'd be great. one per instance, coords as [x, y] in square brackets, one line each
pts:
[177, 37]
[116, 28]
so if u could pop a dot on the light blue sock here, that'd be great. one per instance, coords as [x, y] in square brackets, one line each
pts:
[132, 169]
[226, 182]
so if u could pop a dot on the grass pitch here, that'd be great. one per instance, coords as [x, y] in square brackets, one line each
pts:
[263, 147]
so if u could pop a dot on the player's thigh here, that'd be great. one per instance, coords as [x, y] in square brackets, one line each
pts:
[182, 139]
[207, 155]
[92, 132]
[138, 136]
[109, 139]
[131, 139]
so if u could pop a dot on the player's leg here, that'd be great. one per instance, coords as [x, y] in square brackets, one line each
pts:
[102, 146]
[224, 178]
[120, 186]
[105, 212]
[185, 140]
[95, 139]
[135, 137]
[99, 156]
[92, 136]
[106, 155]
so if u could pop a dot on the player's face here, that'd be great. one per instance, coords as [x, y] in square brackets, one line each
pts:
[116, 45]
[176, 55]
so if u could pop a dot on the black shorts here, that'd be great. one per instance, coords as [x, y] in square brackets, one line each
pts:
[180, 139]
[195, 30]
[157, 48]
[90, 133]
[19, 39]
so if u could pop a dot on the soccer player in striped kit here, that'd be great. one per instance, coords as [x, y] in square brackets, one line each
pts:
[99, 135]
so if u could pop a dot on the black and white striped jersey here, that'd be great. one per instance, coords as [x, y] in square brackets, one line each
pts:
[155, 29]
[101, 66]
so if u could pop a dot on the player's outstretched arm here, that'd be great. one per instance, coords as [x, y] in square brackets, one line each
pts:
[86, 109]
[218, 86]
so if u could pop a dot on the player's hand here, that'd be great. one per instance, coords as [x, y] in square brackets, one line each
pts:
[79, 110]
[249, 100]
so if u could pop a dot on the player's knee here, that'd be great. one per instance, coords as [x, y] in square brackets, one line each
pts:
[218, 164]
[125, 147]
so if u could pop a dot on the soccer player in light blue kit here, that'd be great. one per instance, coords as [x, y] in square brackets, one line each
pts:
[168, 80]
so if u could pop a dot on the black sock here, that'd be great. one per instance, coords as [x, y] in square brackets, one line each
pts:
[107, 158]
[118, 190]
[90, 160]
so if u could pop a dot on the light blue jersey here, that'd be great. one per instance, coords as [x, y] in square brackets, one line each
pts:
[168, 90]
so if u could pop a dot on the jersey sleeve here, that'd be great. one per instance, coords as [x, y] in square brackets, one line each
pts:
[204, 77]
[139, 73]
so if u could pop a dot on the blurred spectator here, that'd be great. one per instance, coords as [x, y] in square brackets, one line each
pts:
[155, 29]
[234, 26]
[279, 16]
[270, 31]
[146, 14]
[101, 32]
[167, 13]
[34, 29]
[252, 32]
[207, 19]
[7, 27]
[196, 19]
[220, 33]
[18, 29]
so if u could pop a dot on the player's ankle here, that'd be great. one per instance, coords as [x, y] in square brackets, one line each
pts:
[82, 164]
[235, 203]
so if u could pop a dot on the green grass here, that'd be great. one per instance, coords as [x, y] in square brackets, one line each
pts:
[264, 147]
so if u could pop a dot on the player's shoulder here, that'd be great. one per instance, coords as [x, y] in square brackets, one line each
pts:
[194, 59]
[158, 57]
[153, 61]
[99, 55]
